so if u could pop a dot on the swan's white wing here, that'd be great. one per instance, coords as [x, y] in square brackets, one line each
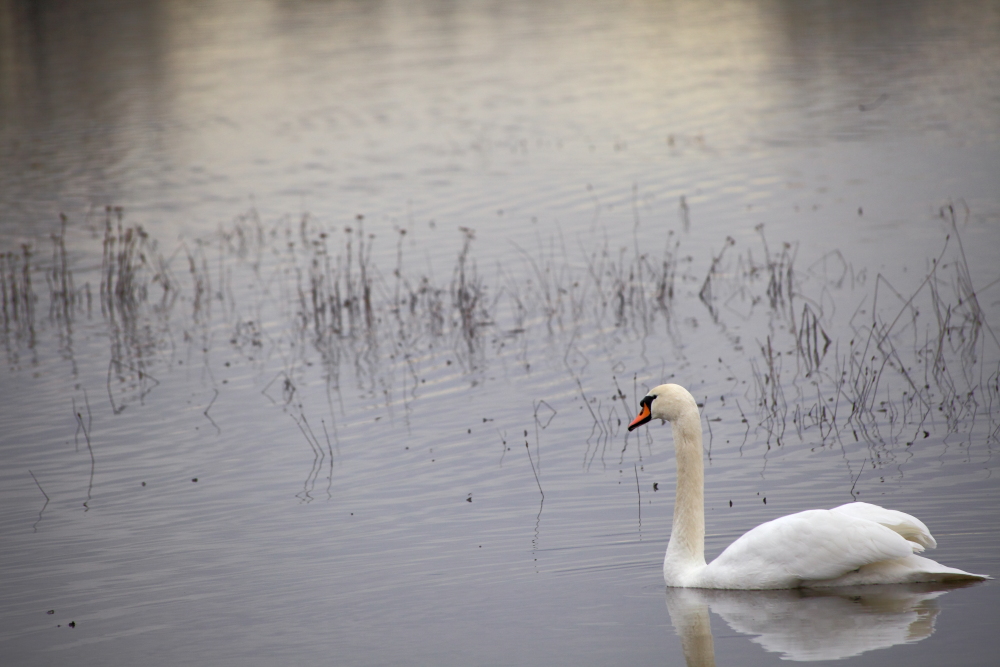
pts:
[809, 546]
[910, 527]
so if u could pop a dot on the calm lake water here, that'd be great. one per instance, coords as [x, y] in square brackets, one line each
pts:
[330, 357]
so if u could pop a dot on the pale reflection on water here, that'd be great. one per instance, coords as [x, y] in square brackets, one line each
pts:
[808, 625]
[450, 112]
[277, 404]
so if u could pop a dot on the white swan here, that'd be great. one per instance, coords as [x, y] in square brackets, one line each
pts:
[849, 545]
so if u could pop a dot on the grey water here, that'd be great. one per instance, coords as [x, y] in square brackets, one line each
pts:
[322, 322]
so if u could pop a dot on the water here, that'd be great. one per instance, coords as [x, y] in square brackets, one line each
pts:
[364, 493]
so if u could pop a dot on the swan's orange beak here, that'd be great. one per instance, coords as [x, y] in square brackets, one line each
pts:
[640, 418]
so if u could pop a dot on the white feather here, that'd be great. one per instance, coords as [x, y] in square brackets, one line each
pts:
[802, 548]
[910, 527]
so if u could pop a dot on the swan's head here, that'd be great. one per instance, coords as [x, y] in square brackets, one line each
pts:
[668, 401]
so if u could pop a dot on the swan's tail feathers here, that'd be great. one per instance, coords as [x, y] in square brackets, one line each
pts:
[919, 569]
[929, 570]
[963, 576]
[909, 570]
[909, 527]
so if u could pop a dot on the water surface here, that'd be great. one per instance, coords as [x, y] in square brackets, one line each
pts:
[359, 255]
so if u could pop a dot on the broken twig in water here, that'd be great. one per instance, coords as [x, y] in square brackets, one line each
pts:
[35, 525]
[635, 467]
[528, 449]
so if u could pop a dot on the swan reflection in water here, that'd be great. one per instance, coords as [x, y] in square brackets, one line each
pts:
[808, 624]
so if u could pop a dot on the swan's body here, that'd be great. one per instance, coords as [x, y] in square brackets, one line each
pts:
[850, 545]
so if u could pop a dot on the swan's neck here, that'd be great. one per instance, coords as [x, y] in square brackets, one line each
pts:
[686, 549]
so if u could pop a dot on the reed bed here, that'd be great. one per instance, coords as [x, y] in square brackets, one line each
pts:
[903, 365]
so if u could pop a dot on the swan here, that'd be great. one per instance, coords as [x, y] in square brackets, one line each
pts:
[850, 545]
